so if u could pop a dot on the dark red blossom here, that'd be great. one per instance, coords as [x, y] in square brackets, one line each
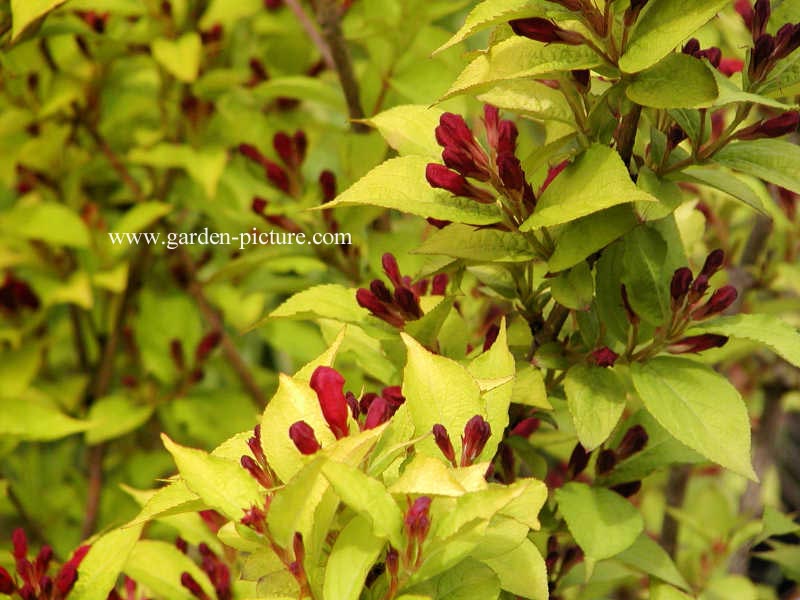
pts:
[526, 427]
[206, 345]
[327, 183]
[328, 384]
[190, 583]
[577, 461]
[745, 10]
[787, 40]
[7, 585]
[604, 357]
[16, 295]
[476, 433]
[546, 31]
[697, 343]
[719, 301]
[679, 286]
[255, 470]
[606, 461]
[552, 173]
[417, 520]
[379, 412]
[439, 176]
[634, 440]
[729, 66]
[771, 128]
[442, 439]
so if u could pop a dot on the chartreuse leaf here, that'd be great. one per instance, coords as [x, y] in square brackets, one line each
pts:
[596, 399]
[205, 165]
[427, 475]
[574, 288]
[699, 407]
[181, 57]
[174, 498]
[662, 591]
[47, 221]
[522, 571]
[35, 419]
[602, 522]
[114, 416]
[530, 98]
[400, 184]
[496, 363]
[517, 58]
[596, 180]
[662, 26]
[466, 581]
[25, 12]
[220, 483]
[328, 301]
[647, 556]
[438, 390]
[353, 554]
[786, 555]
[481, 505]
[781, 337]
[101, 566]
[369, 498]
[656, 87]
[644, 277]
[493, 12]
[472, 243]
[725, 181]
[529, 388]
[159, 566]
[409, 129]
[776, 161]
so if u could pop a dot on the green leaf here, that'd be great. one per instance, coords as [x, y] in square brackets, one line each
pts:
[159, 566]
[648, 557]
[25, 12]
[369, 498]
[222, 484]
[530, 98]
[786, 555]
[730, 93]
[725, 181]
[596, 180]
[517, 58]
[644, 277]
[426, 329]
[495, 12]
[471, 243]
[776, 161]
[522, 571]
[663, 25]
[438, 390]
[662, 591]
[529, 388]
[699, 407]
[778, 335]
[141, 216]
[205, 165]
[574, 288]
[656, 87]
[602, 522]
[174, 498]
[467, 581]
[585, 236]
[181, 57]
[409, 129]
[47, 221]
[312, 89]
[355, 551]
[400, 184]
[114, 416]
[35, 419]
[101, 566]
[329, 301]
[427, 475]
[18, 368]
[596, 399]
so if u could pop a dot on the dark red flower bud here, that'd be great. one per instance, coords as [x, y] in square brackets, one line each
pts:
[729, 66]
[353, 405]
[582, 78]
[761, 14]
[771, 128]
[442, 439]
[544, 30]
[510, 171]
[256, 472]
[697, 343]
[453, 131]
[26, 592]
[259, 205]
[277, 176]
[551, 561]
[577, 461]
[439, 176]
[457, 159]
[393, 395]
[491, 123]
[417, 520]
[526, 427]
[176, 353]
[745, 10]
[212, 35]
[206, 345]
[633, 11]
[634, 440]
[552, 173]
[691, 47]
[254, 443]
[379, 412]
[761, 56]
[713, 263]
[182, 545]
[713, 55]
[407, 301]
[506, 138]
[392, 562]
[604, 357]
[633, 318]
[258, 70]
[253, 153]
[327, 182]
[491, 336]
[255, 518]
[43, 559]
[66, 578]
[367, 299]
[20, 543]
[328, 384]
[476, 434]
[699, 287]
[381, 292]
[300, 142]
[439, 285]
[787, 40]
[626, 490]
[606, 461]
[679, 287]
[392, 270]
[284, 148]
[573, 5]
[190, 583]
[572, 557]
[7, 585]
[303, 436]
[719, 301]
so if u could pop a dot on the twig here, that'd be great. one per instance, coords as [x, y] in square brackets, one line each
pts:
[628, 128]
[312, 32]
[675, 493]
[213, 318]
[328, 16]
[31, 526]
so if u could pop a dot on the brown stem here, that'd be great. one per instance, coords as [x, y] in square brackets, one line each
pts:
[627, 134]
[32, 528]
[213, 318]
[116, 162]
[675, 493]
[308, 25]
[328, 16]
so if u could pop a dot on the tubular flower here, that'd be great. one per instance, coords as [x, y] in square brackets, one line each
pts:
[544, 30]
[697, 343]
[328, 384]
[771, 128]
[634, 440]
[442, 439]
[719, 301]
[476, 433]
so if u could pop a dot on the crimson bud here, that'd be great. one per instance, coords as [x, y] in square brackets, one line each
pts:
[304, 439]
[328, 384]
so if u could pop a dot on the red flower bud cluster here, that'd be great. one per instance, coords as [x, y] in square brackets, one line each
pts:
[417, 524]
[292, 152]
[604, 357]
[16, 295]
[33, 581]
[402, 305]
[634, 441]
[546, 31]
[476, 433]
[767, 49]
[258, 467]
[770, 128]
